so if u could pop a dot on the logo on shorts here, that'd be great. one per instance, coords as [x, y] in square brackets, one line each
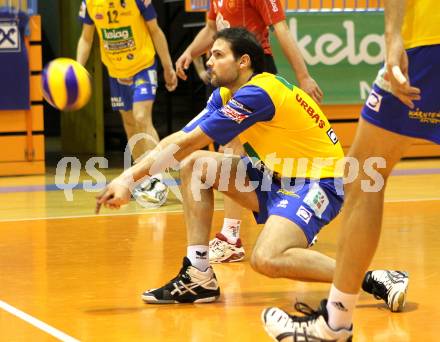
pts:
[317, 200]
[304, 214]
[332, 135]
[283, 204]
[374, 101]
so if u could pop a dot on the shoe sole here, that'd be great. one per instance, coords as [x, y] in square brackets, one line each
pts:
[232, 258]
[153, 300]
[399, 299]
[399, 303]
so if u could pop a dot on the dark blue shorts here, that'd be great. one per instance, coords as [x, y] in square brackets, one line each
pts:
[311, 204]
[142, 88]
[386, 111]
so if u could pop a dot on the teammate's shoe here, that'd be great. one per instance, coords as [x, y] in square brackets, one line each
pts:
[220, 250]
[189, 286]
[310, 327]
[152, 190]
[391, 286]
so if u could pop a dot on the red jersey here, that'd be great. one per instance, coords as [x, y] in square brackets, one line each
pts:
[254, 15]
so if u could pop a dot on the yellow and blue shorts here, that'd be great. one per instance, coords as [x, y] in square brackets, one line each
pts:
[310, 204]
[386, 111]
[142, 87]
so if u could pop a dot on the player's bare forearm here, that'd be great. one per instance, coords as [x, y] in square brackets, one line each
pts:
[291, 50]
[203, 40]
[170, 150]
[161, 47]
[394, 14]
[85, 43]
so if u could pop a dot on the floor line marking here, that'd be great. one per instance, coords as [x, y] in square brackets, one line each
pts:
[37, 323]
[404, 200]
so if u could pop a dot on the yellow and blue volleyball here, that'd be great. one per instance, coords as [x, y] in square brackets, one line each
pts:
[66, 84]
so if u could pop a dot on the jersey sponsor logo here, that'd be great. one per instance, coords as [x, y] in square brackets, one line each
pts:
[304, 214]
[115, 40]
[374, 101]
[233, 114]
[240, 105]
[332, 135]
[274, 5]
[9, 37]
[117, 34]
[99, 16]
[317, 199]
[309, 109]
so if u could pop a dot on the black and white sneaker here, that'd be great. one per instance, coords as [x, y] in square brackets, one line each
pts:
[312, 327]
[189, 286]
[391, 286]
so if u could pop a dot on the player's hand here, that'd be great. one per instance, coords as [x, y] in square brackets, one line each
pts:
[397, 73]
[170, 79]
[114, 195]
[182, 64]
[310, 86]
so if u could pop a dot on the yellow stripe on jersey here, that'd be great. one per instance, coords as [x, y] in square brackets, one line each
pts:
[125, 42]
[422, 23]
[299, 140]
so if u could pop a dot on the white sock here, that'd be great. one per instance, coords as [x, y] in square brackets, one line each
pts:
[231, 229]
[199, 256]
[340, 308]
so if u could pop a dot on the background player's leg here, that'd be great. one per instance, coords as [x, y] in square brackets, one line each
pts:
[227, 245]
[281, 252]
[143, 123]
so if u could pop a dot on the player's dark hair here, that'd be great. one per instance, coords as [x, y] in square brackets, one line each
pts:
[243, 42]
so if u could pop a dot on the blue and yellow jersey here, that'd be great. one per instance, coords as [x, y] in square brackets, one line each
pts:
[277, 123]
[421, 25]
[126, 45]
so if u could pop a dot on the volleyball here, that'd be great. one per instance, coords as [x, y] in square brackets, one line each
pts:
[66, 84]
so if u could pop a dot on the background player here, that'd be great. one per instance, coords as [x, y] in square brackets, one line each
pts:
[129, 39]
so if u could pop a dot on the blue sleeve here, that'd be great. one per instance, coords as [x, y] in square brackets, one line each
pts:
[214, 103]
[147, 9]
[248, 106]
[84, 16]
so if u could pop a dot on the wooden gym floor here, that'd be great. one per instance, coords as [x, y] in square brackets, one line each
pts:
[67, 274]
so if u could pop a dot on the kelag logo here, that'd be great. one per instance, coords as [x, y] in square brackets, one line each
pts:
[331, 48]
[9, 37]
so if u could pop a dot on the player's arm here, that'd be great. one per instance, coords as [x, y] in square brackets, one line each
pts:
[161, 46]
[171, 149]
[85, 41]
[294, 56]
[201, 43]
[396, 57]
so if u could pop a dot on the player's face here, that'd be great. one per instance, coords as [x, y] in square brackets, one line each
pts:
[223, 67]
